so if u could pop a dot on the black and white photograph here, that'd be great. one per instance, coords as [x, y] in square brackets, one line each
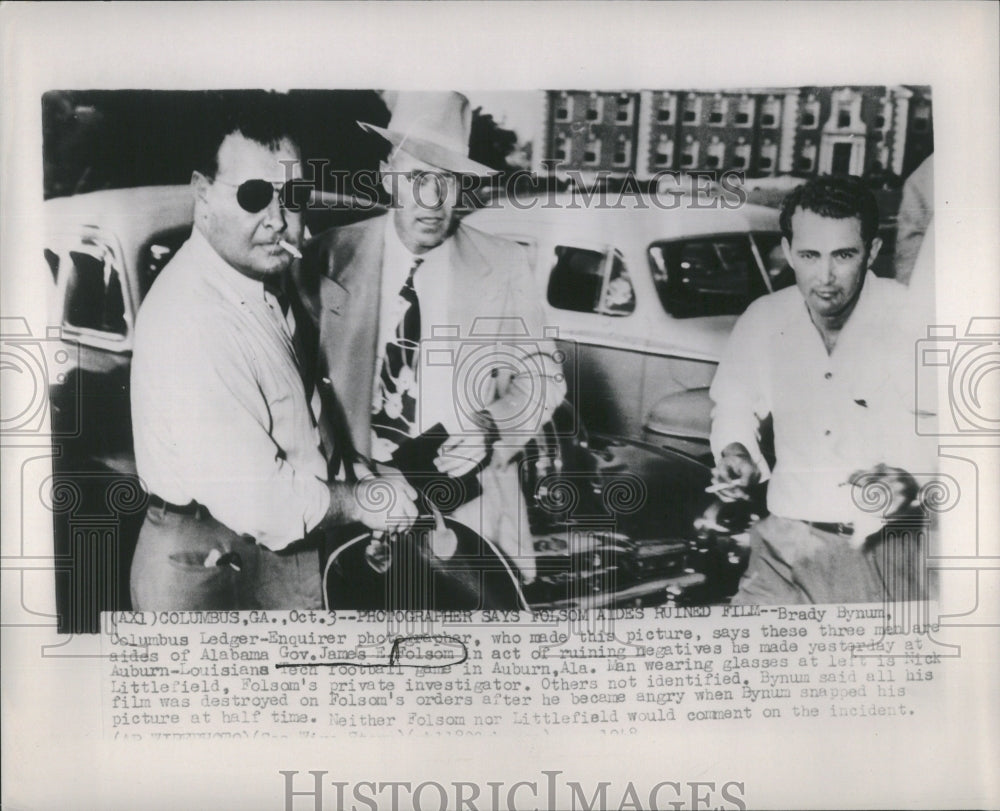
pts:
[561, 400]
[548, 415]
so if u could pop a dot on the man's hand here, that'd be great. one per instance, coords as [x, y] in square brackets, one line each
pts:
[734, 473]
[900, 488]
[383, 503]
[460, 454]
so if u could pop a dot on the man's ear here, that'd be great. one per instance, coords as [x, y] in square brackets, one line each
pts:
[199, 185]
[786, 249]
[876, 246]
[385, 172]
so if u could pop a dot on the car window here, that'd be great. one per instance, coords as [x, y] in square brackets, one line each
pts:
[618, 297]
[779, 272]
[714, 275]
[94, 298]
[589, 281]
[157, 252]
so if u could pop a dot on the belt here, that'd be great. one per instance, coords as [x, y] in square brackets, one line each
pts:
[191, 508]
[833, 528]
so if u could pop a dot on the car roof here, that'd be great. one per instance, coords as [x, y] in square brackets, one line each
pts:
[615, 219]
[131, 214]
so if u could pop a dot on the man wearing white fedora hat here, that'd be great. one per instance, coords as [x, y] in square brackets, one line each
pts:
[430, 329]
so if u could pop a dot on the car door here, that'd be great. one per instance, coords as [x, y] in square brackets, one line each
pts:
[590, 297]
[705, 281]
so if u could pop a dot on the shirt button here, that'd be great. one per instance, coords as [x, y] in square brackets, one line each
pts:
[828, 375]
[827, 432]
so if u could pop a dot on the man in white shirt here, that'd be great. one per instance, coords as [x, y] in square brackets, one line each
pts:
[831, 366]
[225, 438]
[424, 322]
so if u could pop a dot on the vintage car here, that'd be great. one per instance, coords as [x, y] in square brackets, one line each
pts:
[615, 521]
[646, 293]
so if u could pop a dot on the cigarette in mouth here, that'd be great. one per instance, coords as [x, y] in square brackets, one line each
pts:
[290, 248]
[719, 487]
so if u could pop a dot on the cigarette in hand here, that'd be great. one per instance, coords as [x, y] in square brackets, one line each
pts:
[290, 248]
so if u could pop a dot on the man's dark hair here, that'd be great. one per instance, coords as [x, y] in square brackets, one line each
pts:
[259, 116]
[837, 197]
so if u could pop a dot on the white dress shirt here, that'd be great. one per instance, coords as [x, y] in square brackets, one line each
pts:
[833, 413]
[219, 411]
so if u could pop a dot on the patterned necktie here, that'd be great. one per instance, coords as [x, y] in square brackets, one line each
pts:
[394, 405]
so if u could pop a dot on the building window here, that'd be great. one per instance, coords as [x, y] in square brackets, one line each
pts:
[810, 113]
[922, 118]
[595, 111]
[690, 156]
[741, 155]
[564, 107]
[717, 116]
[623, 151]
[692, 110]
[592, 154]
[770, 112]
[744, 113]
[564, 146]
[768, 156]
[664, 152]
[844, 117]
[807, 158]
[625, 106]
[666, 112]
[715, 154]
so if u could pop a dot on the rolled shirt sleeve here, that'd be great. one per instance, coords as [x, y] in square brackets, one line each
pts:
[738, 392]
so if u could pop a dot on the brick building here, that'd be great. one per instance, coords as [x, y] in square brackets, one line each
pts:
[761, 131]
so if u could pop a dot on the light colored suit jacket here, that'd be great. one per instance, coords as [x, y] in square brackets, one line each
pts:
[492, 301]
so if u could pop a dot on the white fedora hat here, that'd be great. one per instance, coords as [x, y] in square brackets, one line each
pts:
[434, 127]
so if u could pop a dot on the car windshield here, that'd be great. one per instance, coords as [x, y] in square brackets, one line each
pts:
[719, 274]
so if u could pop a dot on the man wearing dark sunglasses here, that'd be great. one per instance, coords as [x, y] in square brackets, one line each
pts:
[225, 436]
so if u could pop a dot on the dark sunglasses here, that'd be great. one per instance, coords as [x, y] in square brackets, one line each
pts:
[256, 195]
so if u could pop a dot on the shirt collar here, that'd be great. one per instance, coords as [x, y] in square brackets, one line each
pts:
[860, 315]
[220, 274]
[399, 257]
